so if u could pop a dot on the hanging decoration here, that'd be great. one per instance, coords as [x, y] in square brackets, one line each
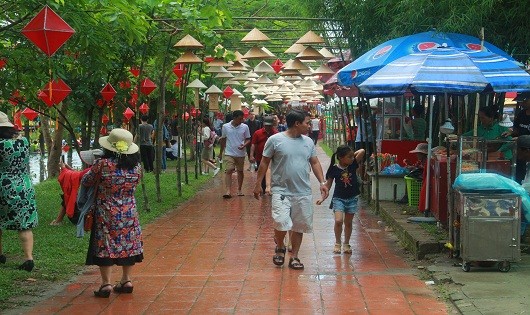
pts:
[104, 119]
[48, 31]
[178, 82]
[134, 71]
[186, 116]
[103, 131]
[179, 70]
[45, 98]
[194, 112]
[277, 65]
[125, 84]
[128, 114]
[15, 98]
[227, 92]
[16, 120]
[29, 113]
[108, 92]
[144, 108]
[100, 103]
[56, 91]
[147, 86]
[3, 63]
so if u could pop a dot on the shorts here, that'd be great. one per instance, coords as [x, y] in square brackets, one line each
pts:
[349, 205]
[292, 213]
[206, 153]
[234, 162]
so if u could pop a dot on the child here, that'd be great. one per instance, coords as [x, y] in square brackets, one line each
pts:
[345, 196]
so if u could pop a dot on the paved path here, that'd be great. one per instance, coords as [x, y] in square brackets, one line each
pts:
[215, 256]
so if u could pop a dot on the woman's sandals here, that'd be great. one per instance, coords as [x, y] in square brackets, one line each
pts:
[294, 263]
[121, 288]
[278, 259]
[103, 293]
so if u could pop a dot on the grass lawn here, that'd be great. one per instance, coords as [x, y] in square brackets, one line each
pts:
[58, 253]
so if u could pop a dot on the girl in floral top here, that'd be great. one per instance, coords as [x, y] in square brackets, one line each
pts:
[116, 236]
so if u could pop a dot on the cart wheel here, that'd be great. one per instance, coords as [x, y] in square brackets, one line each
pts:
[504, 266]
[466, 266]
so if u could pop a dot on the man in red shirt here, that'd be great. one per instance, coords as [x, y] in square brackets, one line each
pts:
[258, 143]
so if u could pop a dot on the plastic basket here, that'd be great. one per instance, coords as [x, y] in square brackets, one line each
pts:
[413, 190]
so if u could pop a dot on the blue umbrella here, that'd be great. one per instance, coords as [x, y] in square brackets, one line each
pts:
[447, 70]
[366, 65]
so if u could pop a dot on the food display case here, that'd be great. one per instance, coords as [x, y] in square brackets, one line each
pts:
[488, 227]
[476, 154]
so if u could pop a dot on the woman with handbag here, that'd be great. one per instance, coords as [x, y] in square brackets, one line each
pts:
[116, 237]
[18, 210]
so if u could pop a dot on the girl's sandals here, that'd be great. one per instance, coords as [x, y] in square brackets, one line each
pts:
[103, 293]
[121, 288]
[336, 249]
[294, 263]
[278, 259]
[347, 248]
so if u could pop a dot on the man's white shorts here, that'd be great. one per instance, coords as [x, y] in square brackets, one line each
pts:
[292, 213]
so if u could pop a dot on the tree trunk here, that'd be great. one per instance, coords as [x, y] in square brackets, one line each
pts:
[55, 149]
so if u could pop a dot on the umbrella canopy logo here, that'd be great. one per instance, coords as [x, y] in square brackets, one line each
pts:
[381, 52]
[426, 46]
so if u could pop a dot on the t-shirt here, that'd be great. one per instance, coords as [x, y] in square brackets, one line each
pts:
[235, 136]
[290, 164]
[346, 185]
[521, 124]
[253, 125]
[315, 124]
[258, 140]
[145, 131]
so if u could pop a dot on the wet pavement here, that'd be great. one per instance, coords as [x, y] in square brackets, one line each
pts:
[213, 255]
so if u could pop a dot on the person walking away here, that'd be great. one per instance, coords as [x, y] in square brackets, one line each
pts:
[289, 154]
[258, 144]
[235, 138]
[315, 128]
[18, 210]
[253, 125]
[166, 136]
[208, 136]
[116, 235]
[346, 194]
[145, 136]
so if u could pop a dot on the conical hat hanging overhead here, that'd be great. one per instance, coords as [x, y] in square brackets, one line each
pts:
[326, 53]
[256, 53]
[290, 73]
[255, 35]
[216, 69]
[263, 67]
[309, 53]
[292, 78]
[239, 56]
[188, 42]
[252, 75]
[310, 38]
[268, 52]
[307, 72]
[237, 66]
[197, 84]
[323, 69]
[241, 77]
[219, 62]
[232, 82]
[249, 90]
[296, 64]
[213, 90]
[224, 75]
[188, 57]
[263, 80]
[295, 49]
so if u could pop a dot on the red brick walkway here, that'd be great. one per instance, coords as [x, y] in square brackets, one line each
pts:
[215, 256]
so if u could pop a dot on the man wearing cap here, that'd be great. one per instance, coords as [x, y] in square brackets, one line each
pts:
[258, 143]
[421, 151]
[521, 126]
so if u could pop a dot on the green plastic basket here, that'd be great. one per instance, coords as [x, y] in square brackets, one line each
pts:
[413, 190]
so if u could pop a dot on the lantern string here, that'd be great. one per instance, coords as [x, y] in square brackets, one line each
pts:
[50, 83]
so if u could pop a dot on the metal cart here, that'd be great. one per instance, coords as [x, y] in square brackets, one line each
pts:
[489, 227]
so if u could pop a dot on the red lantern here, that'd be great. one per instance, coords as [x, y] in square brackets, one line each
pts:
[228, 92]
[16, 120]
[147, 86]
[194, 112]
[186, 116]
[128, 114]
[45, 98]
[134, 71]
[179, 70]
[30, 113]
[246, 112]
[48, 31]
[178, 82]
[144, 109]
[104, 119]
[108, 92]
[66, 148]
[103, 131]
[277, 65]
[3, 63]
[58, 92]
[134, 96]
[125, 84]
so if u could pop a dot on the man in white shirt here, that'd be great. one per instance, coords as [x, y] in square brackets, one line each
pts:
[235, 138]
[315, 128]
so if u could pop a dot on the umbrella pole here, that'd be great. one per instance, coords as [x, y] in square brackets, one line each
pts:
[429, 147]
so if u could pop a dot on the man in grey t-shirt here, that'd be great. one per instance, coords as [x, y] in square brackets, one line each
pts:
[290, 153]
[144, 138]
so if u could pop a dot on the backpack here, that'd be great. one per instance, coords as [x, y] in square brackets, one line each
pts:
[211, 140]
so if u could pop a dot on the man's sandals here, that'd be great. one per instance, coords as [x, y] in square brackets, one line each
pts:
[278, 259]
[294, 263]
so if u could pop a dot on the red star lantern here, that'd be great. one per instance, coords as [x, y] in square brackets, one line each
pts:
[103, 131]
[30, 113]
[104, 119]
[144, 109]
[108, 92]
[48, 31]
[147, 86]
[178, 82]
[3, 63]
[194, 112]
[125, 84]
[16, 120]
[179, 70]
[128, 114]
[228, 92]
[186, 116]
[208, 59]
[134, 71]
[100, 103]
[277, 65]
[45, 98]
[56, 91]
